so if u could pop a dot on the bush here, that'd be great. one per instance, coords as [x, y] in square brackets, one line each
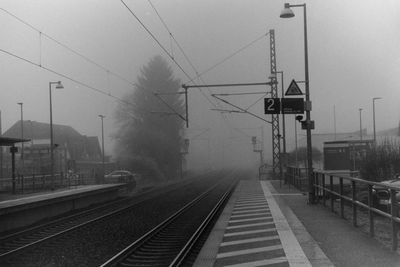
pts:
[381, 161]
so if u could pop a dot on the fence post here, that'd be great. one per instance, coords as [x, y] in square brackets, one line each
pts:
[370, 213]
[393, 211]
[315, 185]
[331, 194]
[22, 183]
[341, 197]
[323, 190]
[354, 198]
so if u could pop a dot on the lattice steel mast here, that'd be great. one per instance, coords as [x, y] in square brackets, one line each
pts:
[276, 148]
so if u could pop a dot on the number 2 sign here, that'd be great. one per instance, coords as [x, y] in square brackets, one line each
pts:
[272, 105]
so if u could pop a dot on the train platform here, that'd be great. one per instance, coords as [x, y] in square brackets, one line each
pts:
[20, 210]
[266, 223]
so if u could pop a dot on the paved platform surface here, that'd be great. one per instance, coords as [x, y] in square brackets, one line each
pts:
[266, 223]
[11, 200]
[342, 243]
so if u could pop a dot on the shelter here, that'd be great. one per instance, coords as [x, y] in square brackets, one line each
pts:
[10, 142]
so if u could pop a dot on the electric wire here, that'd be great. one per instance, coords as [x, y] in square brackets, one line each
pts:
[227, 58]
[65, 46]
[217, 104]
[76, 53]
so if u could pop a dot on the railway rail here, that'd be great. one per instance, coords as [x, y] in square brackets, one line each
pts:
[104, 235]
[16, 242]
[171, 242]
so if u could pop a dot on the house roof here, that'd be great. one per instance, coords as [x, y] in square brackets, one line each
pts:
[79, 146]
[7, 141]
[40, 130]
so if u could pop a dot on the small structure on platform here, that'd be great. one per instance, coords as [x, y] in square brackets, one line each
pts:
[345, 155]
[10, 142]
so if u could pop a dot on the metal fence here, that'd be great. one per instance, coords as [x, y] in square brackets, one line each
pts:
[358, 193]
[297, 177]
[42, 182]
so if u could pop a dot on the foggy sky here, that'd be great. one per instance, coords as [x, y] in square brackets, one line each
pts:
[353, 57]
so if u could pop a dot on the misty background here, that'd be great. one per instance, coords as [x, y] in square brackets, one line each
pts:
[353, 57]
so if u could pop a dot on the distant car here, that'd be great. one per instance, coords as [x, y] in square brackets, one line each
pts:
[121, 176]
[381, 194]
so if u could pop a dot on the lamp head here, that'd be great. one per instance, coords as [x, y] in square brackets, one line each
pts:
[287, 12]
[299, 117]
[59, 85]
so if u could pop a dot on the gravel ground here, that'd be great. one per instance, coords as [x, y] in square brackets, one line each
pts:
[95, 244]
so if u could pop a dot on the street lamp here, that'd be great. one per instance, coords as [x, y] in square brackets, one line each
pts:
[102, 141]
[288, 13]
[58, 86]
[373, 114]
[360, 109]
[22, 136]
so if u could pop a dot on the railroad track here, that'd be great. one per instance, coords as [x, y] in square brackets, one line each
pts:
[17, 242]
[172, 241]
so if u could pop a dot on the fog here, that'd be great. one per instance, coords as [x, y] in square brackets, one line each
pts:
[353, 57]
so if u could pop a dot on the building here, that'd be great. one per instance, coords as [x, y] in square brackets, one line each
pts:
[72, 150]
[345, 155]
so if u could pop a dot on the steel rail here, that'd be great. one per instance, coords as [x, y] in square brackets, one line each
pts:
[132, 248]
[56, 234]
[179, 259]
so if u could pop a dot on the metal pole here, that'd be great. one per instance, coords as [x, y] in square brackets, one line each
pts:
[295, 140]
[262, 146]
[1, 150]
[22, 137]
[311, 197]
[360, 109]
[373, 108]
[102, 142]
[283, 121]
[186, 106]
[308, 122]
[373, 117]
[334, 120]
[51, 141]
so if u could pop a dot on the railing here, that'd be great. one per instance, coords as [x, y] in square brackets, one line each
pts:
[359, 194]
[297, 177]
[39, 182]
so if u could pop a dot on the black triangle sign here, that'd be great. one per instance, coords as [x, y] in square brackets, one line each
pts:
[293, 89]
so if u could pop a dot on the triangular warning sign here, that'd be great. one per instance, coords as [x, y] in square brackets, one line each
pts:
[293, 89]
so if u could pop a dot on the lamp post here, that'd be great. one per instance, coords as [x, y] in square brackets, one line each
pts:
[22, 136]
[373, 114]
[360, 109]
[58, 86]
[288, 13]
[102, 142]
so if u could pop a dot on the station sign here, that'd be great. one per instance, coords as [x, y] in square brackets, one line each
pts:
[272, 105]
[293, 89]
[292, 105]
[283, 105]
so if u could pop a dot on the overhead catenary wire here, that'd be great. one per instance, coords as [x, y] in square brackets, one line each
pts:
[228, 57]
[192, 65]
[108, 72]
[184, 55]
[64, 46]
[104, 68]
[65, 76]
